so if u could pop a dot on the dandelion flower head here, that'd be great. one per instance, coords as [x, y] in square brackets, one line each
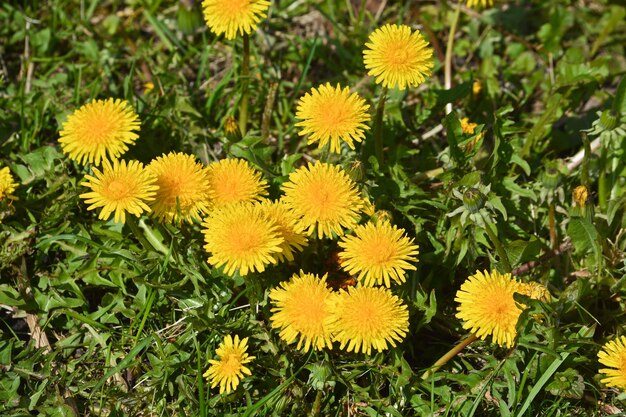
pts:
[99, 130]
[234, 181]
[293, 238]
[368, 317]
[120, 188]
[240, 238]
[230, 368]
[230, 17]
[7, 184]
[183, 188]
[323, 197]
[330, 115]
[476, 3]
[378, 253]
[613, 355]
[398, 57]
[301, 311]
[487, 307]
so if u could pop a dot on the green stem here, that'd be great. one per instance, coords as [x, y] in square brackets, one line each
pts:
[449, 51]
[132, 224]
[317, 404]
[499, 248]
[378, 127]
[449, 355]
[602, 181]
[552, 226]
[245, 78]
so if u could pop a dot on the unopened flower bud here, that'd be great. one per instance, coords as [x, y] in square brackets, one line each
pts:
[473, 199]
[231, 130]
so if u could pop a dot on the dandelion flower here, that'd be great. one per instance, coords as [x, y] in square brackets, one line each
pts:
[378, 253]
[368, 317]
[301, 311]
[120, 188]
[487, 307]
[483, 3]
[613, 355]
[286, 220]
[331, 115]
[183, 188]
[535, 290]
[230, 368]
[230, 17]
[7, 184]
[240, 237]
[234, 181]
[398, 57]
[323, 196]
[581, 195]
[99, 130]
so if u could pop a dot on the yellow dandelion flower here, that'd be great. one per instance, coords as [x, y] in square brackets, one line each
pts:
[7, 184]
[234, 181]
[476, 87]
[535, 290]
[398, 57]
[487, 307]
[240, 237]
[301, 311]
[183, 188]
[368, 317]
[286, 220]
[476, 3]
[331, 115]
[230, 17]
[230, 368]
[322, 196]
[613, 355]
[378, 253]
[581, 195]
[467, 126]
[120, 188]
[99, 130]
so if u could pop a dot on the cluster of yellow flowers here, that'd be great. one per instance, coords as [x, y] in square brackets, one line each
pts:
[7, 184]
[359, 318]
[244, 231]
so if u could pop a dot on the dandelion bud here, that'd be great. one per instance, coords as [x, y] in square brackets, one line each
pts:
[231, 130]
[473, 199]
[355, 171]
[580, 194]
[382, 216]
[551, 178]
[608, 120]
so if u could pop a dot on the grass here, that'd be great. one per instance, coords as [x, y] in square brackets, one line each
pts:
[99, 319]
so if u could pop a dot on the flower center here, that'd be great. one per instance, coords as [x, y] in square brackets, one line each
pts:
[231, 364]
[322, 199]
[230, 190]
[245, 240]
[118, 190]
[398, 55]
[97, 130]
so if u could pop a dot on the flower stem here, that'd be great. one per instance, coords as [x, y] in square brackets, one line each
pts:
[245, 78]
[499, 248]
[378, 127]
[449, 355]
[449, 50]
[134, 228]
